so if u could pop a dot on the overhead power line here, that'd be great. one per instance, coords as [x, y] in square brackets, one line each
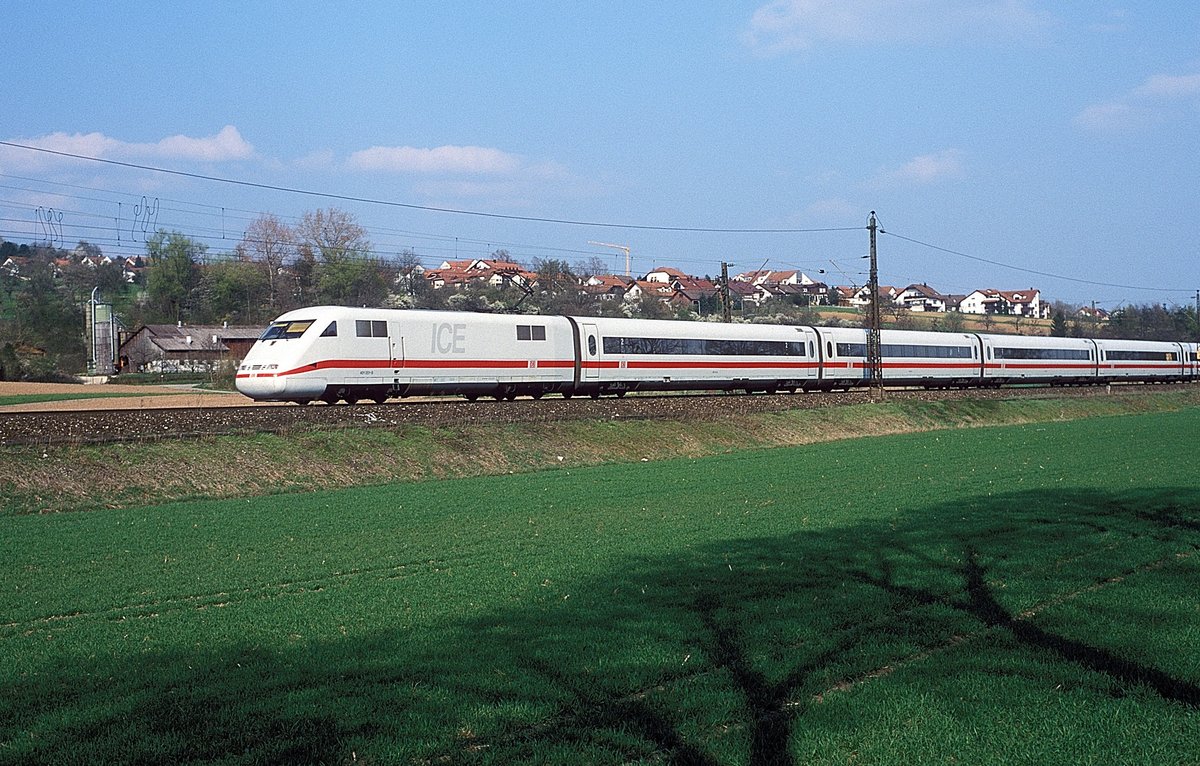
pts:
[426, 208]
[1030, 271]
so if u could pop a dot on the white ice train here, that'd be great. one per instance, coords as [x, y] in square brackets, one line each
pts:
[333, 354]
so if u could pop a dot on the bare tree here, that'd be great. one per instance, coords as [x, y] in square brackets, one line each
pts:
[271, 242]
[591, 267]
[332, 235]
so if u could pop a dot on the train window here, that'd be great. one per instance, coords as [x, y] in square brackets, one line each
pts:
[1042, 353]
[989, 353]
[286, 330]
[367, 328]
[531, 332]
[592, 345]
[811, 351]
[1144, 356]
[330, 331]
[829, 349]
[702, 346]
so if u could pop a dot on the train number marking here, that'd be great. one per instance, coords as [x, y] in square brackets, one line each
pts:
[449, 339]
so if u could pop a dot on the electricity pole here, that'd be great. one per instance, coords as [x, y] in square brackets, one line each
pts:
[726, 307]
[874, 342]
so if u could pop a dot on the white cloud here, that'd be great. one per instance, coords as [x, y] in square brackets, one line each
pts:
[441, 159]
[925, 169]
[226, 145]
[1153, 100]
[786, 26]
[1170, 87]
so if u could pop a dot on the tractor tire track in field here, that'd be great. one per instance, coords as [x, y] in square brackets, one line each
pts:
[220, 599]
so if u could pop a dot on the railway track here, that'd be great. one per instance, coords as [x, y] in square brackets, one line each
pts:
[55, 427]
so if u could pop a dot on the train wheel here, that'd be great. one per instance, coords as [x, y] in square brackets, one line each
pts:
[471, 397]
[621, 394]
[567, 394]
[595, 394]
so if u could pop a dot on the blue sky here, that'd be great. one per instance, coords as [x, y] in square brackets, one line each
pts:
[1012, 136]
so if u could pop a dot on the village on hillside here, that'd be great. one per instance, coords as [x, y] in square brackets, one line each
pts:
[757, 288]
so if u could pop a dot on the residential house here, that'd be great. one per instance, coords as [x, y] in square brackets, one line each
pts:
[606, 287]
[1026, 303]
[862, 297]
[458, 274]
[643, 289]
[843, 295]
[773, 278]
[921, 297]
[665, 275]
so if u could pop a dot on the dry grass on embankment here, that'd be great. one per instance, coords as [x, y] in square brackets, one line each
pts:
[73, 478]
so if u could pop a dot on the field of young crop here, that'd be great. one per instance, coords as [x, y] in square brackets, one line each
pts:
[994, 595]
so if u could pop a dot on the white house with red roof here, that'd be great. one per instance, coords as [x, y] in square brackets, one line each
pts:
[921, 297]
[1026, 303]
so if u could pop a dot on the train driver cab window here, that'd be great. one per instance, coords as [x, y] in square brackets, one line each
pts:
[591, 345]
[330, 331]
[286, 330]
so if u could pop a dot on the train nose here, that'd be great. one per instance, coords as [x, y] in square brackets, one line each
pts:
[259, 386]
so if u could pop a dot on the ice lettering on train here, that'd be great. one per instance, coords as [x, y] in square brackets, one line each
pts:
[449, 339]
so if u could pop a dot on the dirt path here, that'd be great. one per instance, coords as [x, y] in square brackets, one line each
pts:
[112, 397]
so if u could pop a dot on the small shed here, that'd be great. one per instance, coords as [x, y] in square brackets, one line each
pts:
[185, 348]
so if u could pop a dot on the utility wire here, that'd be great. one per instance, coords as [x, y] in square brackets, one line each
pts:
[1031, 271]
[427, 208]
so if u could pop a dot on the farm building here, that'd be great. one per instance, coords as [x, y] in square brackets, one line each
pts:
[185, 348]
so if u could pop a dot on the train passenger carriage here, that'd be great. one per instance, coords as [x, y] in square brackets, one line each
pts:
[1141, 360]
[1036, 359]
[621, 355]
[909, 358]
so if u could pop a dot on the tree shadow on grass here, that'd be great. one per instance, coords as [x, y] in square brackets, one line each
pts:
[706, 657]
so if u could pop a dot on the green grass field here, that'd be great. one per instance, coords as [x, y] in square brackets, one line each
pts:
[61, 397]
[1022, 594]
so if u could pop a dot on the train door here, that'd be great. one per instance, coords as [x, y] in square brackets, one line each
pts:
[591, 352]
[396, 345]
